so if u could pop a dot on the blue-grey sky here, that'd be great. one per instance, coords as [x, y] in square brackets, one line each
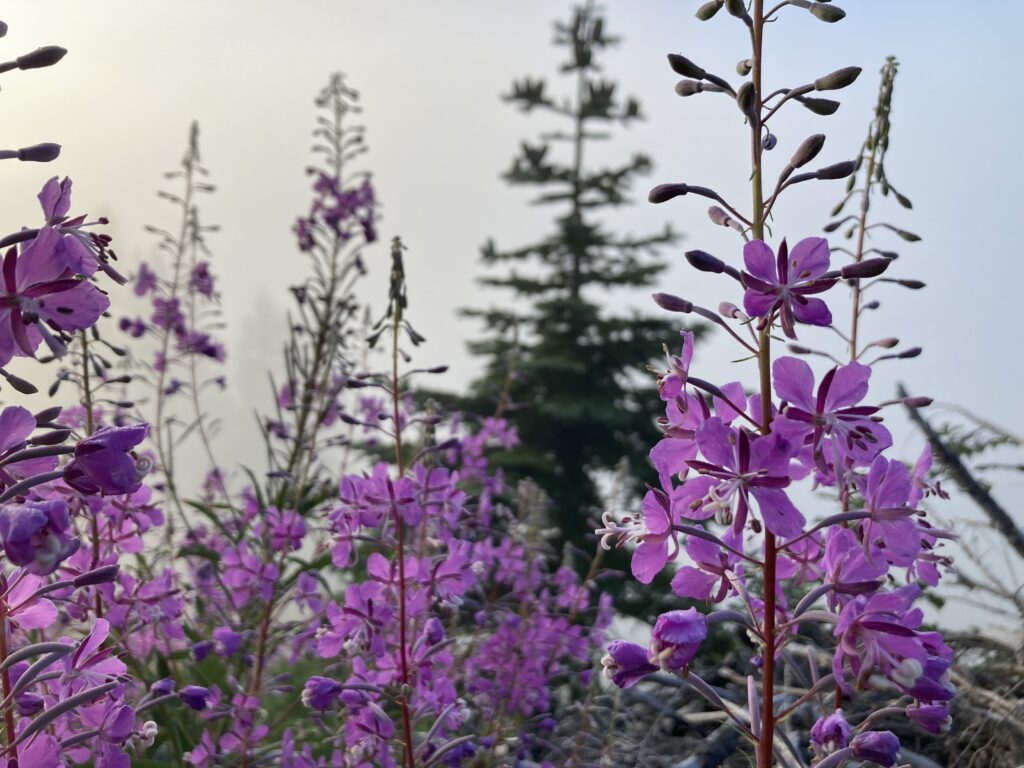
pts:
[430, 73]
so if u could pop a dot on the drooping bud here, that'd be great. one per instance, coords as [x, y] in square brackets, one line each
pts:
[673, 303]
[909, 353]
[743, 67]
[39, 153]
[918, 402]
[41, 57]
[838, 79]
[913, 285]
[684, 67]
[879, 747]
[866, 268]
[746, 98]
[665, 192]
[886, 343]
[820, 106]
[828, 13]
[705, 262]
[910, 237]
[737, 8]
[808, 150]
[709, 9]
[102, 575]
[19, 384]
[836, 171]
[768, 142]
[690, 87]
[730, 310]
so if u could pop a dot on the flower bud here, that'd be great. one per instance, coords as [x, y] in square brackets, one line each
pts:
[709, 9]
[737, 8]
[808, 150]
[3, 28]
[626, 663]
[705, 262]
[743, 67]
[768, 142]
[866, 268]
[913, 285]
[719, 216]
[837, 171]
[910, 237]
[730, 310]
[684, 67]
[838, 79]
[102, 575]
[39, 153]
[195, 697]
[689, 87]
[909, 353]
[665, 192]
[676, 638]
[820, 106]
[828, 13]
[917, 402]
[41, 57]
[672, 303]
[746, 98]
[879, 747]
[887, 343]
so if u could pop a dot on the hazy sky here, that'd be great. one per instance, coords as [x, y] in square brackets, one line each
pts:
[431, 73]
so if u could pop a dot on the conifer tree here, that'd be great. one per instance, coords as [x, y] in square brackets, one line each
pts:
[568, 369]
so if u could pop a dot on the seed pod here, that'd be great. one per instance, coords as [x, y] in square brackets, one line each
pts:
[808, 150]
[684, 67]
[838, 79]
[709, 9]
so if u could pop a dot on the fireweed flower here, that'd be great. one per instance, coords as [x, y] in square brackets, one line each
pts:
[742, 467]
[104, 463]
[676, 638]
[834, 411]
[35, 535]
[879, 747]
[783, 284]
[195, 697]
[41, 291]
[830, 734]
[626, 664]
[321, 693]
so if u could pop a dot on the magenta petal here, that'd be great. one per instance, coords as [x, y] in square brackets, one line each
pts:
[693, 583]
[713, 441]
[649, 559]
[670, 454]
[16, 424]
[809, 259]
[813, 312]
[74, 309]
[780, 516]
[794, 382]
[760, 261]
[757, 304]
[41, 260]
[849, 386]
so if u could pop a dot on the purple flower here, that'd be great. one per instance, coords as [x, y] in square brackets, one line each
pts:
[195, 696]
[783, 284]
[831, 733]
[626, 663]
[934, 718]
[321, 693]
[145, 280]
[35, 535]
[879, 747]
[226, 641]
[103, 462]
[201, 280]
[833, 411]
[40, 291]
[677, 636]
[743, 466]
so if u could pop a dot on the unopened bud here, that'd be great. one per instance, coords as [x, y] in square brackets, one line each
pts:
[888, 343]
[913, 285]
[705, 262]
[665, 192]
[908, 353]
[47, 415]
[837, 171]
[917, 402]
[39, 153]
[808, 150]
[684, 67]
[910, 237]
[828, 13]
[838, 79]
[719, 216]
[820, 106]
[689, 87]
[737, 8]
[728, 309]
[672, 303]
[746, 98]
[102, 575]
[20, 384]
[743, 67]
[871, 305]
[709, 9]
[41, 57]
[768, 142]
[3, 28]
[866, 268]
[796, 349]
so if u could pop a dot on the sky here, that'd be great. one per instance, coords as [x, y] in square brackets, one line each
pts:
[431, 75]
